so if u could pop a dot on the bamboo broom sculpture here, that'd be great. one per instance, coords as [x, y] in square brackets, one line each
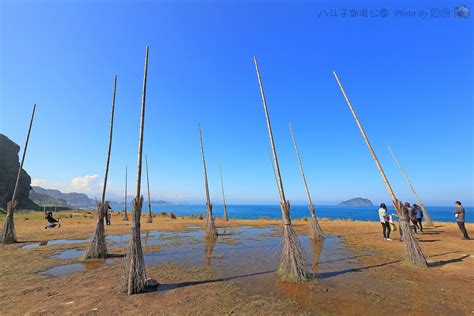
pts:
[135, 272]
[211, 230]
[315, 231]
[8, 232]
[413, 249]
[125, 215]
[226, 216]
[150, 218]
[429, 223]
[292, 263]
[98, 246]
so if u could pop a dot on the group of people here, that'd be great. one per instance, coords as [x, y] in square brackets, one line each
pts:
[414, 215]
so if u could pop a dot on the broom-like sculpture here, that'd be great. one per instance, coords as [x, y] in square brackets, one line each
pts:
[8, 232]
[211, 229]
[135, 272]
[429, 223]
[125, 215]
[315, 230]
[226, 216]
[413, 249]
[293, 259]
[98, 246]
[150, 218]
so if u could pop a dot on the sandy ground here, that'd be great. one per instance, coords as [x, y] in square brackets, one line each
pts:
[383, 282]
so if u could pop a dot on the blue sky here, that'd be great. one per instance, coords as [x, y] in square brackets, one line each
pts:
[409, 78]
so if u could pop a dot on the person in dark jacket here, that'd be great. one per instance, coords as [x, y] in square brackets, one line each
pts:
[460, 215]
[52, 222]
[419, 216]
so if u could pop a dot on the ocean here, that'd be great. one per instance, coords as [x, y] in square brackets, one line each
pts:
[246, 211]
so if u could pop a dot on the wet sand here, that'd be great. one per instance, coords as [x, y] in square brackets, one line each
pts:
[356, 271]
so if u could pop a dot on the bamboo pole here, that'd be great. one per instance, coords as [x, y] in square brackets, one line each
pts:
[98, 246]
[412, 247]
[316, 231]
[142, 126]
[150, 218]
[292, 262]
[8, 235]
[226, 217]
[110, 142]
[210, 226]
[270, 133]
[135, 272]
[374, 156]
[429, 223]
[24, 153]
[301, 165]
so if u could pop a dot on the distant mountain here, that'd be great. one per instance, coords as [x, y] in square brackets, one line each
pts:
[71, 199]
[357, 202]
[46, 200]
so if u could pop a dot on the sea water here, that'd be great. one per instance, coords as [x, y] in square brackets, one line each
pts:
[257, 211]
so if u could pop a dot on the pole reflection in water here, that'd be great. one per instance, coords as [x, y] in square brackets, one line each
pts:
[210, 243]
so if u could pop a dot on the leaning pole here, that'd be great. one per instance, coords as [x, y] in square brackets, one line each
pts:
[315, 229]
[292, 262]
[413, 249]
[429, 222]
[8, 232]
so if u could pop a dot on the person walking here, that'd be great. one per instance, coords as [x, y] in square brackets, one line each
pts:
[419, 216]
[383, 217]
[460, 215]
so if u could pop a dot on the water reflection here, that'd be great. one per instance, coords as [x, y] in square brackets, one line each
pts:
[210, 243]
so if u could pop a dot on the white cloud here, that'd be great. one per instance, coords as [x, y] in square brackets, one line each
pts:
[38, 182]
[85, 184]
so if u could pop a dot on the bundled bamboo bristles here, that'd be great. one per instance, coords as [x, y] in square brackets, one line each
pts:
[293, 259]
[125, 215]
[429, 223]
[226, 216]
[211, 229]
[135, 271]
[315, 230]
[8, 231]
[150, 218]
[414, 252]
[98, 246]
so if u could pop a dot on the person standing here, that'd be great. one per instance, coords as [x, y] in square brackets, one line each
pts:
[411, 216]
[460, 215]
[419, 216]
[383, 216]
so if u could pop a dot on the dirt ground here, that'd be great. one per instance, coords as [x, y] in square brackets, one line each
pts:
[383, 283]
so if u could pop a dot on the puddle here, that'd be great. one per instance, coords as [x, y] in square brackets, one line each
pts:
[64, 269]
[194, 227]
[69, 254]
[54, 242]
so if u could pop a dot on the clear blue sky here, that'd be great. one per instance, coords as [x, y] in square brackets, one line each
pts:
[410, 80]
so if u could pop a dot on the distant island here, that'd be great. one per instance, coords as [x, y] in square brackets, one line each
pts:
[356, 202]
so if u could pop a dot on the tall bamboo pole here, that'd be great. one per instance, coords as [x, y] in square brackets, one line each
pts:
[316, 231]
[374, 156]
[98, 246]
[125, 215]
[226, 217]
[429, 223]
[300, 164]
[210, 226]
[8, 233]
[270, 133]
[150, 218]
[413, 249]
[110, 142]
[135, 272]
[292, 262]
[24, 153]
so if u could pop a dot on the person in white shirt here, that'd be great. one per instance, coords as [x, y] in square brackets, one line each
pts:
[383, 217]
